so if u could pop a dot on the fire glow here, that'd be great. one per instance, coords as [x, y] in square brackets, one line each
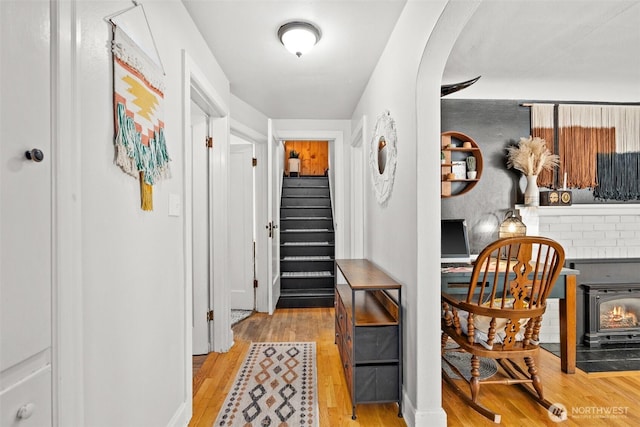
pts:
[618, 317]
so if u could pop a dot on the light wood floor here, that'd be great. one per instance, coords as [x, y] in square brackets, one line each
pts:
[588, 398]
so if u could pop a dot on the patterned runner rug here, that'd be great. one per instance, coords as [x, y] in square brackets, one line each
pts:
[275, 386]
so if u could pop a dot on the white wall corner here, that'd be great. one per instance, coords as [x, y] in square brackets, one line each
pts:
[435, 418]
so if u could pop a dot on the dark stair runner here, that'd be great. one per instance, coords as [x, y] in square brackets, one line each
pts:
[307, 243]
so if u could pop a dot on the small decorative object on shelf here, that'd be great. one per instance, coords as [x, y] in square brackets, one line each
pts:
[442, 159]
[294, 163]
[471, 167]
[555, 198]
[531, 156]
[459, 169]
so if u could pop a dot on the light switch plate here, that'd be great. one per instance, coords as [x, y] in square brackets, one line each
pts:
[175, 205]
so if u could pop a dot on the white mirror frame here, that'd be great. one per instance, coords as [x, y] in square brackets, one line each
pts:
[383, 182]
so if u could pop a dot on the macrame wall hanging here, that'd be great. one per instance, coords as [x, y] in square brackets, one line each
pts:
[542, 126]
[138, 98]
[599, 146]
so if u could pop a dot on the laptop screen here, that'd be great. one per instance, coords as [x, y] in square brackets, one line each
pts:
[454, 245]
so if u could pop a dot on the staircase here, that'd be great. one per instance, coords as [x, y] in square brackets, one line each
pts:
[307, 243]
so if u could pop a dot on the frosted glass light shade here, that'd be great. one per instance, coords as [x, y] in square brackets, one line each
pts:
[298, 37]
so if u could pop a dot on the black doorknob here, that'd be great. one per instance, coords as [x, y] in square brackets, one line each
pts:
[35, 155]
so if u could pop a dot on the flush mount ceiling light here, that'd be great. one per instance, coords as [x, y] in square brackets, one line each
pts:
[299, 37]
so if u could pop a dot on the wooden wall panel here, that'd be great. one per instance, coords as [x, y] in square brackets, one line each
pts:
[314, 156]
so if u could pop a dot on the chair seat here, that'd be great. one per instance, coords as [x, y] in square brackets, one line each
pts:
[496, 351]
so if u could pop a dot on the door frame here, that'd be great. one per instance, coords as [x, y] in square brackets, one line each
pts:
[68, 309]
[275, 170]
[339, 188]
[222, 339]
[200, 263]
[259, 142]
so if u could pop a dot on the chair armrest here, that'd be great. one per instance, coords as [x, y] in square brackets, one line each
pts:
[451, 299]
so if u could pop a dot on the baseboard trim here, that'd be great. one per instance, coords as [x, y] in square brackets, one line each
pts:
[436, 417]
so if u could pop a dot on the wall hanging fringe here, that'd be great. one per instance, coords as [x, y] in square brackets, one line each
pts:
[141, 149]
[542, 126]
[613, 185]
[146, 194]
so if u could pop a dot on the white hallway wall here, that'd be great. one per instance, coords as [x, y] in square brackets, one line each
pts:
[132, 262]
[391, 237]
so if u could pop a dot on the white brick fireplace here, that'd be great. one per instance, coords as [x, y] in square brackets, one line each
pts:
[589, 231]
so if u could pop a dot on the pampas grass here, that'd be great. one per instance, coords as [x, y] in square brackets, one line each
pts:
[531, 156]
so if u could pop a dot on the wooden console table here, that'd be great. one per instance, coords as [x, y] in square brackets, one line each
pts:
[369, 333]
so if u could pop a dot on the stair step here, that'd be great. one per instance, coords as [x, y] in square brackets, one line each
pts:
[305, 196]
[302, 230]
[299, 274]
[304, 207]
[308, 243]
[308, 258]
[311, 218]
[300, 211]
[305, 192]
[306, 300]
[307, 236]
[303, 283]
[305, 201]
[326, 249]
[303, 181]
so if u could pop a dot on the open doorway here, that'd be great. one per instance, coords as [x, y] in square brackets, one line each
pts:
[241, 228]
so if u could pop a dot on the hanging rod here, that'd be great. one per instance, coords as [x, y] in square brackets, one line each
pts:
[530, 104]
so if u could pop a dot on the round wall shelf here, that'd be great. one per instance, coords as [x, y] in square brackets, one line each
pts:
[456, 148]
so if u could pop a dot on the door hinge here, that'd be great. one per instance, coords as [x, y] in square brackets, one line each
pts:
[255, 283]
[210, 316]
[254, 162]
[209, 142]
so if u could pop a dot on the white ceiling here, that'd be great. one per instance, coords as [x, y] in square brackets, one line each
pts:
[587, 40]
[594, 40]
[327, 82]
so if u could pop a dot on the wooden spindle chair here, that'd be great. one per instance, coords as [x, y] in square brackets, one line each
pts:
[500, 316]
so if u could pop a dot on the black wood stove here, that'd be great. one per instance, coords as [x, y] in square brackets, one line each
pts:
[612, 313]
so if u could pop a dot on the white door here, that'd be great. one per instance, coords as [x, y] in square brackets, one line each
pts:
[241, 225]
[25, 214]
[263, 211]
[201, 229]
[275, 161]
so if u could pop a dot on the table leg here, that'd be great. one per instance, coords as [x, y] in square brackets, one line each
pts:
[568, 326]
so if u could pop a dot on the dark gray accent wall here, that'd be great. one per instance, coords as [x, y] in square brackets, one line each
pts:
[493, 124]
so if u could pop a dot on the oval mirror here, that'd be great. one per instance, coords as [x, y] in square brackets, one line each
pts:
[382, 154]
